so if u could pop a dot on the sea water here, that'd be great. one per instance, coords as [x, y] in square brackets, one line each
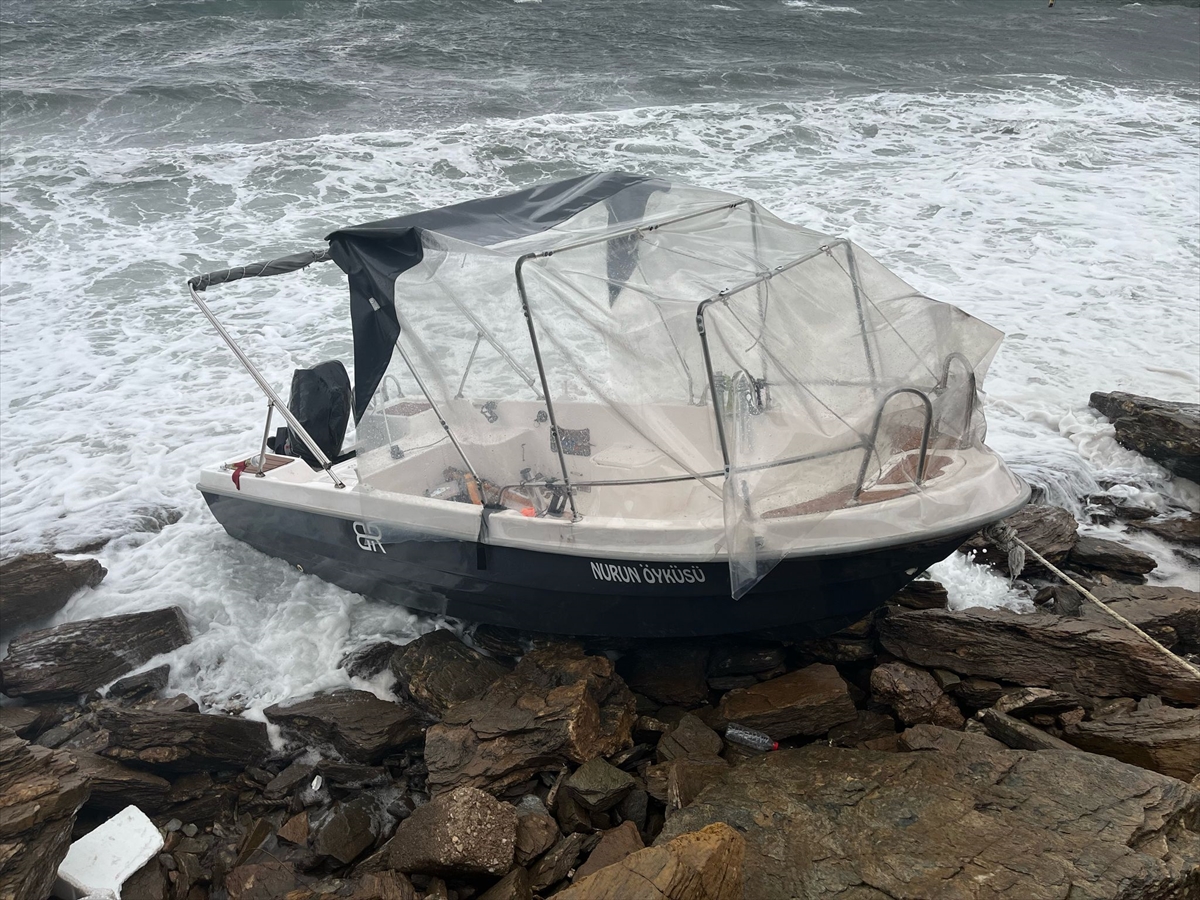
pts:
[1038, 167]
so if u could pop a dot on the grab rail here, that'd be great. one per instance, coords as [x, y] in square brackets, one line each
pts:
[869, 446]
[275, 400]
[971, 384]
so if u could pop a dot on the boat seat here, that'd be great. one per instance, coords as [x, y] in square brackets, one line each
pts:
[626, 456]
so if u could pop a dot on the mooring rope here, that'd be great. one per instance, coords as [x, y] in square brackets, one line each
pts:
[1191, 669]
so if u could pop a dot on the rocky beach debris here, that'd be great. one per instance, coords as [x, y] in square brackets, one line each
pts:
[553, 778]
[923, 752]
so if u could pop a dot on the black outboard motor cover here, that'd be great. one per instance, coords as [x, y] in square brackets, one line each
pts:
[321, 400]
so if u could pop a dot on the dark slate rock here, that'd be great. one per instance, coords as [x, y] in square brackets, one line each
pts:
[1166, 432]
[438, 670]
[183, 741]
[135, 686]
[357, 724]
[37, 585]
[80, 657]
[1050, 530]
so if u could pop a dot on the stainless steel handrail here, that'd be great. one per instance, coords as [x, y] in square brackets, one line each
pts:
[537, 356]
[293, 423]
[869, 446]
[971, 387]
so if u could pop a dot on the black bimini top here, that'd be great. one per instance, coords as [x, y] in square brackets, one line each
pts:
[375, 254]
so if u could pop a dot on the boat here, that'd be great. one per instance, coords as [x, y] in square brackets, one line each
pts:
[620, 405]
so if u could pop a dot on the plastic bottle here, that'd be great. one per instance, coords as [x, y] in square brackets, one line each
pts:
[748, 737]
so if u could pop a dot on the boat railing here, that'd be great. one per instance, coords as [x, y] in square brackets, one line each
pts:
[255, 270]
[870, 442]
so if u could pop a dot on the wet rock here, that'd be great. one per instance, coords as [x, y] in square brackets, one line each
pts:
[464, 832]
[705, 865]
[135, 687]
[1017, 734]
[809, 701]
[973, 823]
[347, 830]
[1050, 530]
[1176, 528]
[634, 808]
[22, 721]
[689, 738]
[79, 657]
[1109, 556]
[438, 670]
[181, 741]
[855, 643]
[513, 886]
[615, 844]
[296, 774]
[1162, 738]
[725, 662]
[922, 595]
[915, 696]
[536, 833]
[867, 725]
[269, 880]
[115, 786]
[369, 661]
[37, 585]
[1025, 702]
[557, 863]
[147, 883]
[1166, 432]
[935, 737]
[557, 705]
[670, 675]
[357, 724]
[598, 786]
[1159, 610]
[40, 792]
[1039, 649]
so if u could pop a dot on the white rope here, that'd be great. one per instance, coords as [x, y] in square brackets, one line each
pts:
[1192, 670]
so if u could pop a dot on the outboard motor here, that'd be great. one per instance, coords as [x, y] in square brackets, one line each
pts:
[321, 400]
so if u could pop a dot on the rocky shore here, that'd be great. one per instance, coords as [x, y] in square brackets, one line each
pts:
[922, 752]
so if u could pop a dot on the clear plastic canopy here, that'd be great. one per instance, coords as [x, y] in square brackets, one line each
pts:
[678, 355]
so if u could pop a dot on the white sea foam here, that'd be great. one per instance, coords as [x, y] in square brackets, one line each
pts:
[810, 6]
[1064, 214]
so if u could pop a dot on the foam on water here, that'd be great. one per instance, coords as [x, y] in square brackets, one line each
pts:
[1063, 212]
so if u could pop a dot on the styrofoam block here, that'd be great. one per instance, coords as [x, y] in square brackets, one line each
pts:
[99, 862]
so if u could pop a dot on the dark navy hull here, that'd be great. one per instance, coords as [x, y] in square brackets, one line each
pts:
[561, 594]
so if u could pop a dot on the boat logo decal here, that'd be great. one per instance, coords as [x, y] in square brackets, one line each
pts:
[369, 537]
[644, 574]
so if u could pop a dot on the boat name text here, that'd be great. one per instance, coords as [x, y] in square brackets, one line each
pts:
[602, 571]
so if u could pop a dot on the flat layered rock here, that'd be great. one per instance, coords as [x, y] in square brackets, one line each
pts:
[438, 670]
[1017, 734]
[182, 741]
[357, 724]
[40, 792]
[1166, 432]
[37, 585]
[691, 737]
[1177, 529]
[465, 832]
[115, 786]
[1164, 739]
[922, 594]
[808, 701]
[558, 705]
[1110, 556]
[915, 695]
[1050, 530]
[80, 657]
[974, 823]
[935, 737]
[1156, 609]
[598, 785]
[1039, 649]
[706, 865]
